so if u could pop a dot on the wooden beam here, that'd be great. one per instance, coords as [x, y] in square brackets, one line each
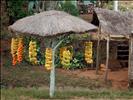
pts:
[107, 59]
[130, 64]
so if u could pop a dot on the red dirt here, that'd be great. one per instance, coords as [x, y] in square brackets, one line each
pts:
[118, 78]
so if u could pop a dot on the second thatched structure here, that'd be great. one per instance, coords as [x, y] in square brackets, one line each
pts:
[115, 26]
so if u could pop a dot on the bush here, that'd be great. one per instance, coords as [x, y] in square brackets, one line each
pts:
[78, 61]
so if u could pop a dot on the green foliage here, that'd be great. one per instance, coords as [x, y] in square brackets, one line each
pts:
[78, 61]
[16, 9]
[68, 7]
[109, 5]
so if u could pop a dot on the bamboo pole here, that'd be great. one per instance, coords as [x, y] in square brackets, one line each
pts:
[52, 73]
[107, 59]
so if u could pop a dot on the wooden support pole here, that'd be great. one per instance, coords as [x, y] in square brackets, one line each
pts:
[130, 63]
[97, 57]
[107, 59]
[52, 73]
[98, 47]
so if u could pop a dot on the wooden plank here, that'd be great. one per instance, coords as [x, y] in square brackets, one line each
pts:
[122, 55]
[122, 50]
[123, 45]
[107, 59]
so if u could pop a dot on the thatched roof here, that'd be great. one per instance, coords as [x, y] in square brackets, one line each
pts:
[51, 23]
[114, 23]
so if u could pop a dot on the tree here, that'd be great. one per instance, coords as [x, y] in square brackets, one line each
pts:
[68, 7]
[16, 9]
[36, 6]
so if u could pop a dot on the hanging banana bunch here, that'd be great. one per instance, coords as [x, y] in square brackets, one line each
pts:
[33, 52]
[14, 47]
[88, 52]
[61, 52]
[20, 50]
[48, 58]
[64, 49]
[66, 58]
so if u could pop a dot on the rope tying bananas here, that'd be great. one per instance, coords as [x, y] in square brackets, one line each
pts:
[33, 52]
[20, 50]
[88, 52]
[14, 47]
[48, 58]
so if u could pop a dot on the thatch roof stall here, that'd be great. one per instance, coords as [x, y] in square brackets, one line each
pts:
[51, 23]
[114, 23]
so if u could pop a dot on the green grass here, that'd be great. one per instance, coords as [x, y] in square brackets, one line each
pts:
[42, 93]
[32, 83]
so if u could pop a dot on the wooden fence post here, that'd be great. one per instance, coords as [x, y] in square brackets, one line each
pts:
[130, 63]
[97, 57]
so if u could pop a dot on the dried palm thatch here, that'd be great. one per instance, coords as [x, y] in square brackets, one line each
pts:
[115, 23]
[51, 23]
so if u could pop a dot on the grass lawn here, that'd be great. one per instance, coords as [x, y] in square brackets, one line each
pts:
[67, 94]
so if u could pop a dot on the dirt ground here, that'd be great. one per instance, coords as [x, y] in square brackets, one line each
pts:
[118, 78]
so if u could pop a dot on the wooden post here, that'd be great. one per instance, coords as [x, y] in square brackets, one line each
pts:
[97, 57]
[107, 59]
[130, 63]
[52, 73]
[98, 44]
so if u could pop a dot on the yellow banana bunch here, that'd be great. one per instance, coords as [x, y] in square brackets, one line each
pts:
[88, 52]
[33, 52]
[61, 52]
[48, 58]
[14, 47]
[66, 58]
